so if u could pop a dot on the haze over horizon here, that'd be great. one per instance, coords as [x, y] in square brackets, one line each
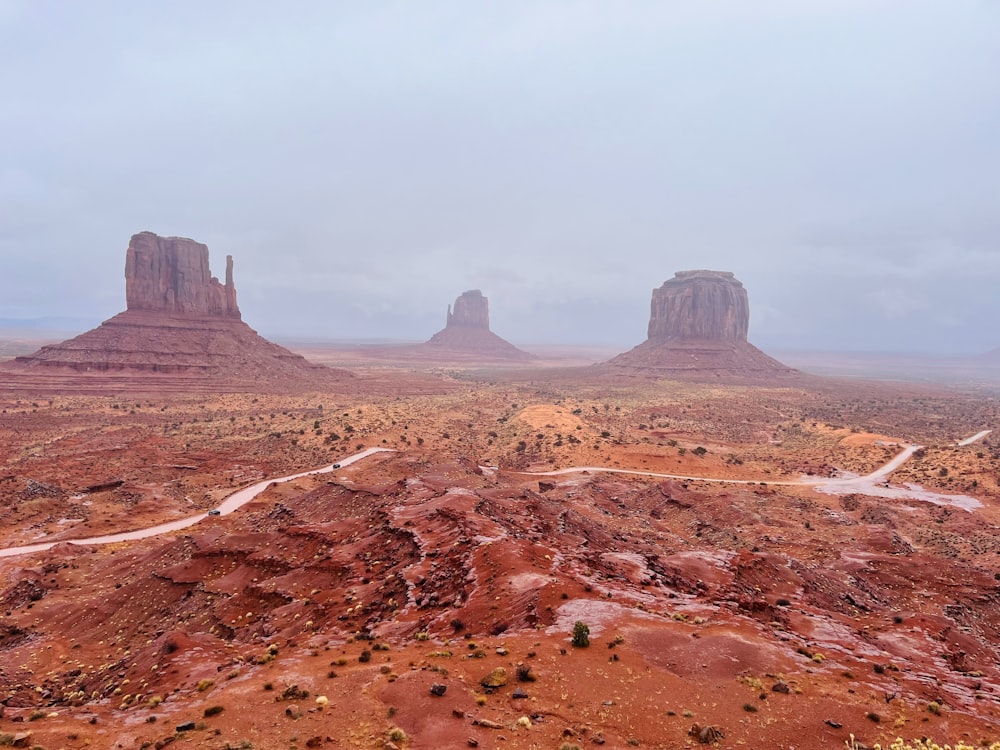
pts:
[365, 163]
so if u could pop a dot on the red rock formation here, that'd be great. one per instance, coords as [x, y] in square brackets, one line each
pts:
[181, 325]
[467, 332]
[709, 305]
[698, 324]
[471, 309]
[171, 274]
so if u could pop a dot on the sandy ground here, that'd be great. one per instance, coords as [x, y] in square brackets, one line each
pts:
[746, 615]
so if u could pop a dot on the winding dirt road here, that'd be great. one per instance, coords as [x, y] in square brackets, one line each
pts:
[973, 438]
[837, 485]
[231, 503]
[870, 484]
[879, 473]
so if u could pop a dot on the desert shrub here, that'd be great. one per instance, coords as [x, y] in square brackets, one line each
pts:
[581, 634]
[524, 673]
[293, 693]
[397, 735]
[213, 711]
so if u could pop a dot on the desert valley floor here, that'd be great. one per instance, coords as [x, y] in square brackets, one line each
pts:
[425, 596]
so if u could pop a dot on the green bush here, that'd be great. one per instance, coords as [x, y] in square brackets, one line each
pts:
[581, 635]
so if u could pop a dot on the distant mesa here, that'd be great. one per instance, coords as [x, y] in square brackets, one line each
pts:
[698, 324]
[467, 331]
[181, 324]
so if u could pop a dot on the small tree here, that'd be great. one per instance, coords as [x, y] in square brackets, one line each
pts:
[581, 635]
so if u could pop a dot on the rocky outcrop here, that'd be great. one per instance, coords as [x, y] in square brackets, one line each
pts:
[698, 326]
[705, 305]
[467, 333]
[171, 275]
[182, 329]
[472, 309]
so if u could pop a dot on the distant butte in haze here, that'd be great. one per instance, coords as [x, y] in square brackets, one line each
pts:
[467, 331]
[698, 325]
[181, 328]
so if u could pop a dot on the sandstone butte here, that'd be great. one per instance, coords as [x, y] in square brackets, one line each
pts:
[698, 325]
[467, 331]
[181, 329]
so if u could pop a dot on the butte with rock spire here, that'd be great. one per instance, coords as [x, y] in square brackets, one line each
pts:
[181, 329]
[467, 331]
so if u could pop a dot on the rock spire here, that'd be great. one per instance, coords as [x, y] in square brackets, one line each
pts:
[171, 275]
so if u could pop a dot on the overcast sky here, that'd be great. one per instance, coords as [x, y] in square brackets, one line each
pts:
[366, 162]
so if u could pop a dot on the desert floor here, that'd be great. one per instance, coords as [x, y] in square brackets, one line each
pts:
[332, 609]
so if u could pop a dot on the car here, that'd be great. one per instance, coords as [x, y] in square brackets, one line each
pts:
[336, 466]
[215, 512]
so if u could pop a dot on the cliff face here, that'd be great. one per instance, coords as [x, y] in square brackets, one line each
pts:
[698, 323]
[706, 305]
[171, 275]
[472, 309]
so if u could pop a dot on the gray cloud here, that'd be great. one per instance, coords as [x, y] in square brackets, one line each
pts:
[367, 162]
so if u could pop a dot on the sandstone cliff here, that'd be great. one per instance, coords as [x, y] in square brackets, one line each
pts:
[698, 325]
[709, 305]
[472, 309]
[171, 275]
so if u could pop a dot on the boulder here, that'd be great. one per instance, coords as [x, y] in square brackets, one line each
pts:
[495, 679]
